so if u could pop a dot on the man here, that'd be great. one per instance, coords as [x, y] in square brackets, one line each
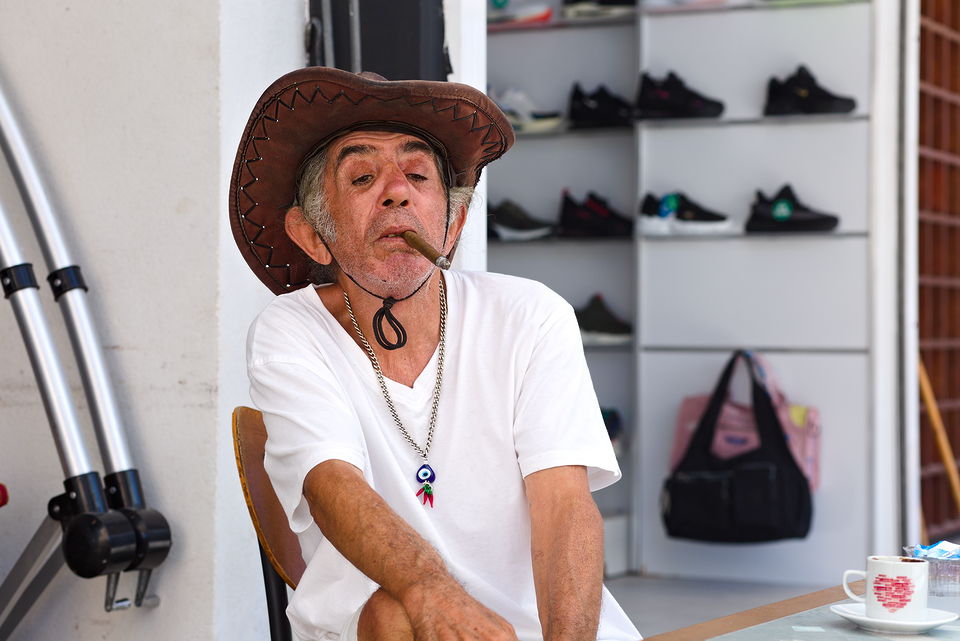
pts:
[433, 436]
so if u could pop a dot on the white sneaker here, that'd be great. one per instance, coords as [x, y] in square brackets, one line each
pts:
[524, 114]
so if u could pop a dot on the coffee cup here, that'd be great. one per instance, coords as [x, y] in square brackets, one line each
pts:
[896, 588]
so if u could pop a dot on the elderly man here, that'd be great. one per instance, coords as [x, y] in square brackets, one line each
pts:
[433, 436]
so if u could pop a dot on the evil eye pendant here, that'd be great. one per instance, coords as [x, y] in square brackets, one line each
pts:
[426, 476]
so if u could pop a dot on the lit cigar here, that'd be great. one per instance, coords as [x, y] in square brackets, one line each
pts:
[413, 239]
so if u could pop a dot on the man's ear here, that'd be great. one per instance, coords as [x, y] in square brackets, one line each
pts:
[453, 233]
[306, 237]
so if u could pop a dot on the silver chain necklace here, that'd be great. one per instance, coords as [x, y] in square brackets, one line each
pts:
[425, 475]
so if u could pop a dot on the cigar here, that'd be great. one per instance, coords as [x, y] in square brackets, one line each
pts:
[414, 240]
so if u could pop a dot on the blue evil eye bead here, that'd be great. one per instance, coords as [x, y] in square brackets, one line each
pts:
[425, 474]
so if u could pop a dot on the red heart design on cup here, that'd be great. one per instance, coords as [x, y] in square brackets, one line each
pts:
[892, 593]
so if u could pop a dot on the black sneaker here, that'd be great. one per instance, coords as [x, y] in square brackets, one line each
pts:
[670, 98]
[677, 214]
[653, 222]
[598, 109]
[616, 223]
[593, 218]
[599, 326]
[511, 222]
[784, 213]
[614, 425]
[800, 94]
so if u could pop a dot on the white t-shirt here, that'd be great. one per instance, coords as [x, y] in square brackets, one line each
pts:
[516, 398]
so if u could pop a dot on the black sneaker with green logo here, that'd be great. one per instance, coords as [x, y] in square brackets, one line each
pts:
[785, 213]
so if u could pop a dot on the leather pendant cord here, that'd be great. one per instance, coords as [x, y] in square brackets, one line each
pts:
[384, 313]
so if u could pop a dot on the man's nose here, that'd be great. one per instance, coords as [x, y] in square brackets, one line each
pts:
[396, 190]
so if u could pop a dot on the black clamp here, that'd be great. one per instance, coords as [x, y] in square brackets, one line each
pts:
[16, 278]
[64, 279]
[96, 540]
[108, 529]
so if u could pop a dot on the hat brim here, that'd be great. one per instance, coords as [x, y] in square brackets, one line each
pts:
[308, 106]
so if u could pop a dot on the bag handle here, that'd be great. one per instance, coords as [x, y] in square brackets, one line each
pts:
[767, 377]
[769, 428]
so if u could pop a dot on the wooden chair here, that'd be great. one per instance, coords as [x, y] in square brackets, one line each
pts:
[280, 553]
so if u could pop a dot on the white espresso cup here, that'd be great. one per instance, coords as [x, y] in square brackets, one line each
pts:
[896, 588]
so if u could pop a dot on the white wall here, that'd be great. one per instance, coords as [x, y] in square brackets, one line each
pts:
[465, 27]
[133, 112]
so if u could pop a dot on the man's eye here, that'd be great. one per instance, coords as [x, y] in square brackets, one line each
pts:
[362, 180]
[417, 177]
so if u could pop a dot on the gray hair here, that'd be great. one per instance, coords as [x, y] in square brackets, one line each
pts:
[311, 197]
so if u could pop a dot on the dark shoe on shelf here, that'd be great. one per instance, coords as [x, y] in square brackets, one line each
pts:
[599, 326]
[594, 218]
[784, 213]
[522, 14]
[579, 9]
[677, 214]
[616, 223]
[511, 222]
[800, 94]
[653, 221]
[598, 109]
[671, 98]
[614, 425]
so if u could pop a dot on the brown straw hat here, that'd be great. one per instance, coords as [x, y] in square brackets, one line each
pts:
[311, 106]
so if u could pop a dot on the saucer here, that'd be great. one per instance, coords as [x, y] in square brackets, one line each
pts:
[856, 613]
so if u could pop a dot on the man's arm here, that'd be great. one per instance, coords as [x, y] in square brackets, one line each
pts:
[360, 524]
[567, 547]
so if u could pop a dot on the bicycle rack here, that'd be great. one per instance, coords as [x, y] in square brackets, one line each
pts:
[103, 527]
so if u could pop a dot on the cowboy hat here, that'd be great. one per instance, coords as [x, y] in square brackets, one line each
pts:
[309, 107]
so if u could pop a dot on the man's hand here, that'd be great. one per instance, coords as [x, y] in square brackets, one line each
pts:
[567, 548]
[446, 615]
[418, 598]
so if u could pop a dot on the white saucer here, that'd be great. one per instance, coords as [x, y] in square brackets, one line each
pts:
[856, 613]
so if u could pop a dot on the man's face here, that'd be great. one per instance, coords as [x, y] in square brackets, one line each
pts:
[379, 185]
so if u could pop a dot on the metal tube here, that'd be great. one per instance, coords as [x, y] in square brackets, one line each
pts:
[54, 390]
[86, 344]
[355, 62]
[33, 590]
[44, 542]
[100, 396]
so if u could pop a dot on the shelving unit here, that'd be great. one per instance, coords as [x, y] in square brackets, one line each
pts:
[545, 62]
[802, 300]
[815, 305]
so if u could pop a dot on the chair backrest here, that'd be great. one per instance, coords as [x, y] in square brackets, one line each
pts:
[279, 542]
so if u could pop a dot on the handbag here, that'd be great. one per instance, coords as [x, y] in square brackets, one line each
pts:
[736, 431]
[759, 495]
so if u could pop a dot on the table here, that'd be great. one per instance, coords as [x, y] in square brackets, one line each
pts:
[803, 618]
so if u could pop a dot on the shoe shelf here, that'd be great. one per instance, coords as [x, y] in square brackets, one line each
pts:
[709, 6]
[766, 237]
[562, 23]
[804, 299]
[578, 241]
[786, 121]
[595, 345]
[567, 130]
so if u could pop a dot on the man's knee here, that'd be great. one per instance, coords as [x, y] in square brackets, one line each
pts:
[383, 619]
